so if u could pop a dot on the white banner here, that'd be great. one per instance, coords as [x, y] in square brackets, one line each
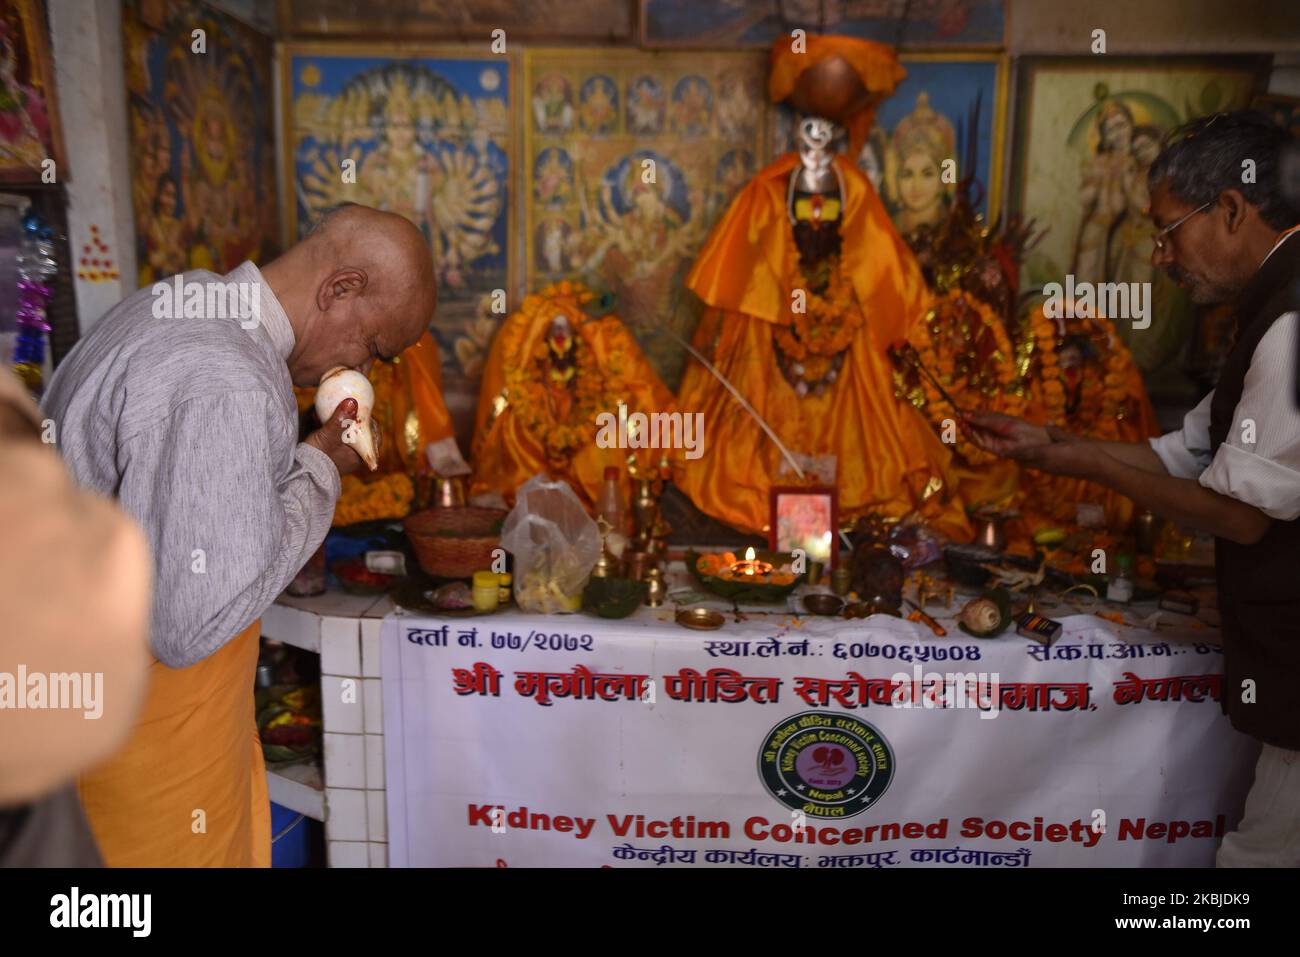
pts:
[516, 740]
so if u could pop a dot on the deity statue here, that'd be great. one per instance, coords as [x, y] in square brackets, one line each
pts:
[807, 285]
[986, 354]
[1081, 377]
[556, 368]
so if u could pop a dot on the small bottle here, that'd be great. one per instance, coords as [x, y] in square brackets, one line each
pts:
[610, 505]
[1120, 587]
[486, 593]
[503, 588]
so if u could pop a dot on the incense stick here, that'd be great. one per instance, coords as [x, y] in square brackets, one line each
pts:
[908, 353]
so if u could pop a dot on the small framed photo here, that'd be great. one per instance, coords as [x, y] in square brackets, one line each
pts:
[806, 517]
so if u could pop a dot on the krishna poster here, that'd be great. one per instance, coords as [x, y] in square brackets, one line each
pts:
[1086, 137]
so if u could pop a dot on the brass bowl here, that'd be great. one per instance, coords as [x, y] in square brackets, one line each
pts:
[822, 604]
[700, 619]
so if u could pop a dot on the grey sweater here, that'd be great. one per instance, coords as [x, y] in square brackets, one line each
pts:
[191, 424]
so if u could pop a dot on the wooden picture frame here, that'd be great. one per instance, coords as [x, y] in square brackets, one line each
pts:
[781, 497]
[583, 21]
[753, 24]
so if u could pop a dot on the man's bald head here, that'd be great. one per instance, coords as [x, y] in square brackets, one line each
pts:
[362, 287]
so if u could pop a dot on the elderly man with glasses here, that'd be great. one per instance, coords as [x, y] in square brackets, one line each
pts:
[1226, 234]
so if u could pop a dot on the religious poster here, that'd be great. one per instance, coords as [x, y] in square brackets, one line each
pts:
[629, 159]
[29, 120]
[929, 119]
[426, 134]
[202, 144]
[733, 23]
[469, 23]
[1087, 135]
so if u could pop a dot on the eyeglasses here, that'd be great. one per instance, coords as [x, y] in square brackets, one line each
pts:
[1159, 237]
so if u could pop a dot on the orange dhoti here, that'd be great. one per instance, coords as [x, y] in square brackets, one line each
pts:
[888, 458]
[189, 787]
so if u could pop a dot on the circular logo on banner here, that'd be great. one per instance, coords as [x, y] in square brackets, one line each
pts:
[826, 764]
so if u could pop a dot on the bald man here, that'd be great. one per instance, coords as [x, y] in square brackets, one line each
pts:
[180, 403]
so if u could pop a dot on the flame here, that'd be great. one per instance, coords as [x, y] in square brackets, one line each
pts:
[749, 554]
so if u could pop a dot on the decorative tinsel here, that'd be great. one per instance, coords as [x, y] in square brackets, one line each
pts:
[35, 266]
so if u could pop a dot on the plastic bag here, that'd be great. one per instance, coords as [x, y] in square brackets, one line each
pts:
[555, 544]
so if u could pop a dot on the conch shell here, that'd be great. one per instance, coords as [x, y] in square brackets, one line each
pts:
[342, 383]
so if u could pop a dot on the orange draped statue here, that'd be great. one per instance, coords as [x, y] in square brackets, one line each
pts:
[800, 321]
[556, 375]
[888, 460]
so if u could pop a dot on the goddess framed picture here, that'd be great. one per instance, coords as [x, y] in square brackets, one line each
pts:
[808, 518]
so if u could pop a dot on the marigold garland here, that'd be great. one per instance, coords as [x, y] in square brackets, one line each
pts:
[814, 338]
[963, 343]
[1105, 401]
[591, 385]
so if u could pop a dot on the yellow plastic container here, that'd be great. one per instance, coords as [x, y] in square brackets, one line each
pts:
[486, 592]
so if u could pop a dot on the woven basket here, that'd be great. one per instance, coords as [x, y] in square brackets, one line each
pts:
[454, 542]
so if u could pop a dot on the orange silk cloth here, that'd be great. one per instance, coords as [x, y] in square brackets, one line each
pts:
[409, 409]
[887, 453]
[876, 65]
[194, 748]
[515, 417]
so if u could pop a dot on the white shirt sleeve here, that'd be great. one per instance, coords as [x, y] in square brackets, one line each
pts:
[1259, 461]
[1186, 452]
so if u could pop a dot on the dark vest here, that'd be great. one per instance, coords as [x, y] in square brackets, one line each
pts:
[1259, 585]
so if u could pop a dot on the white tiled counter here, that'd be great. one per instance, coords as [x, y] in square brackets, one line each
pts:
[347, 792]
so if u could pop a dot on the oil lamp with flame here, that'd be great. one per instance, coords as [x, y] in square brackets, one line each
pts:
[750, 565]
